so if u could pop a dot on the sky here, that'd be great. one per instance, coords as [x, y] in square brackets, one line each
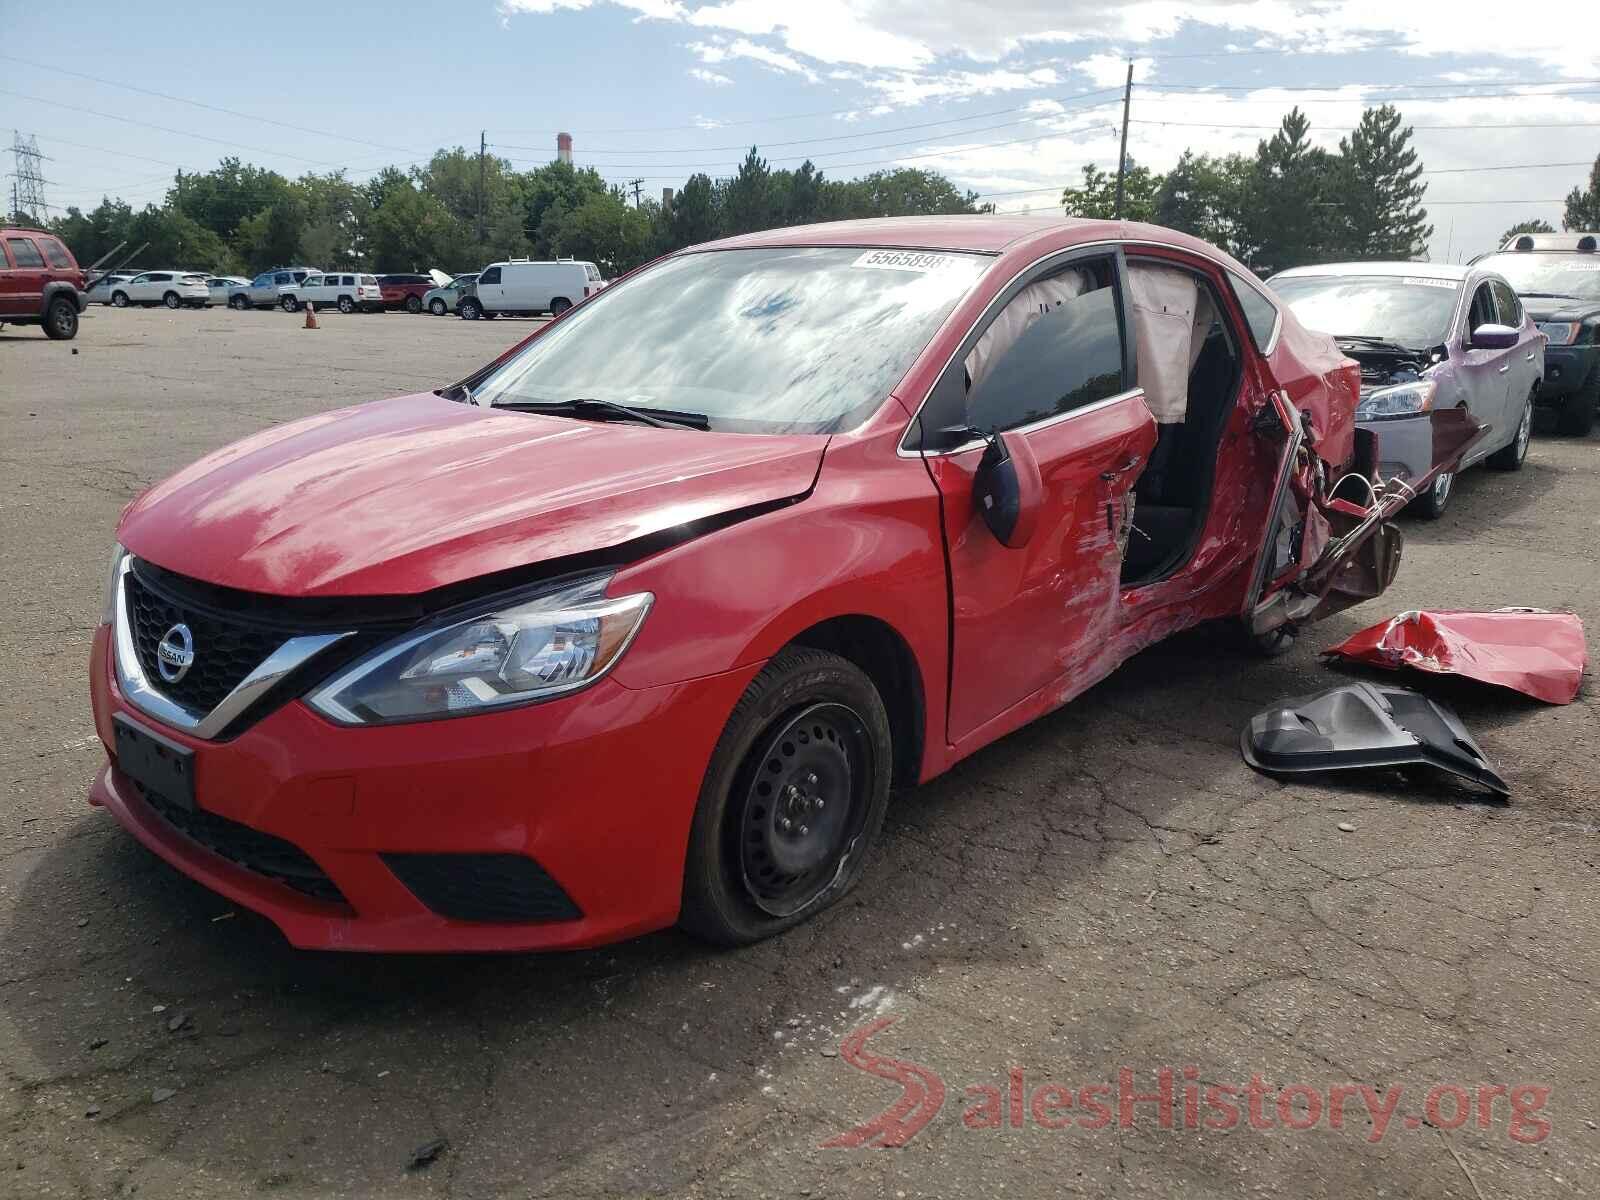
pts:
[1007, 97]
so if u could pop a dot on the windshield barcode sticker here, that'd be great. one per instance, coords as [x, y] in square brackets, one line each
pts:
[1423, 281]
[903, 260]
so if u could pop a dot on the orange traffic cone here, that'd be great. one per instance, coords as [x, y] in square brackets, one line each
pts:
[311, 316]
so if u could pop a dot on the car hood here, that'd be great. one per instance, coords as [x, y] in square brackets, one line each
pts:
[406, 495]
[1549, 308]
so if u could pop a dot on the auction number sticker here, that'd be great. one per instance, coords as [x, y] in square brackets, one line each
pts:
[1424, 281]
[903, 260]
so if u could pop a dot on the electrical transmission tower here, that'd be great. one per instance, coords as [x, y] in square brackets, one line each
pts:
[27, 186]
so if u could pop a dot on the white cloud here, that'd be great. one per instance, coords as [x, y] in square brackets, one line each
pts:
[909, 89]
[1111, 70]
[721, 52]
[711, 77]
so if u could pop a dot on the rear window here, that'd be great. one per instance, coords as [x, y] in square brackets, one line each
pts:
[24, 253]
[591, 272]
[56, 253]
[369, 279]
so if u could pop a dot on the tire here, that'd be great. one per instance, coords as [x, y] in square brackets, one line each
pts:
[238, 303]
[346, 305]
[1514, 453]
[289, 304]
[413, 304]
[1576, 418]
[438, 307]
[172, 300]
[1271, 644]
[1432, 503]
[61, 319]
[470, 310]
[766, 851]
[119, 299]
[559, 305]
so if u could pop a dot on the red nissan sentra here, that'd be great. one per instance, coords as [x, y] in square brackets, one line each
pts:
[640, 623]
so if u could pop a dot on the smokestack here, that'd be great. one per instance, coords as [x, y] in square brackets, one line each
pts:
[564, 147]
[666, 197]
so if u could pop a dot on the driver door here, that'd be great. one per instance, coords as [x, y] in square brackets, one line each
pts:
[1052, 363]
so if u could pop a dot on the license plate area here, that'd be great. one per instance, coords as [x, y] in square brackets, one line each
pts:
[155, 762]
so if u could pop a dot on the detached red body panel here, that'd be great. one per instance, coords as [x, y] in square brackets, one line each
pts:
[1541, 654]
[297, 559]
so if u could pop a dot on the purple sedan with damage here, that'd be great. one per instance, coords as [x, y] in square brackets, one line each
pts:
[1428, 336]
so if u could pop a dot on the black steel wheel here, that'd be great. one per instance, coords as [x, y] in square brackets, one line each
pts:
[61, 319]
[413, 304]
[793, 798]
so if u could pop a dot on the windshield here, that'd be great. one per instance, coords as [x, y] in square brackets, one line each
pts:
[1557, 274]
[1408, 310]
[780, 340]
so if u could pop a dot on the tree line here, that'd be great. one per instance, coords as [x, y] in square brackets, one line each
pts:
[457, 214]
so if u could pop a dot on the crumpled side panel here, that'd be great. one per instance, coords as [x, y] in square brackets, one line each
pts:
[1320, 381]
[1539, 653]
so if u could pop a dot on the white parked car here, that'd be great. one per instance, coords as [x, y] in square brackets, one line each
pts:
[175, 289]
[100, 293]
[222, 287]
[522, 288]
[348, 291]
[262, 291]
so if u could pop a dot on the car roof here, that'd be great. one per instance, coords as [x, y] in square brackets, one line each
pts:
[1577, 242]
[982, 233]
[1452, 271]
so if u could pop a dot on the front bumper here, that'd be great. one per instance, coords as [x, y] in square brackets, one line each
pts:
[1405, 445]
[1566, 369]
[598, 789]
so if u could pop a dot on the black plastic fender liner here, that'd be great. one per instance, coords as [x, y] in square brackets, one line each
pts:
[1365, 725]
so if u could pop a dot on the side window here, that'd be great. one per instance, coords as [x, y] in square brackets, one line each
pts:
[348, 280]
[1056, 346]
[1508, 304]
[159, 278]
[24, 253]
[492, 275]
[262, 281]
[56, 254]
[1482, 310]
[1259, 312]
[283, 279]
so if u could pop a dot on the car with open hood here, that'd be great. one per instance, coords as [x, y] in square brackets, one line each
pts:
[640, 623]
[1557, 279]
[1428, 336]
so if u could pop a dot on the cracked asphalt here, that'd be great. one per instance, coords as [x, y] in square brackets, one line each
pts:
[1110, 888]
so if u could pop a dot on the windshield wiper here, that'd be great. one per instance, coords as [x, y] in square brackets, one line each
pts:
[588, 408]
[1551, 295]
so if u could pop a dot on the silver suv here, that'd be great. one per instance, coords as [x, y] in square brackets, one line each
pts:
[262, 291]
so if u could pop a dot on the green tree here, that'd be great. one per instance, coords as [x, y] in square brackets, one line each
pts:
[748, 201]
[1381, 190]
[1205, 197]
[1583, 205]
[1098, 196]
[556, 183]
[903, 192]
[693, 217]
[1292, 204]
[225, 197]
[1521, 227]
[607, 232]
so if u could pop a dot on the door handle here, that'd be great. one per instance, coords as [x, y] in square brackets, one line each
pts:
[1504, 368]
[1529, 356]
[1113, 475]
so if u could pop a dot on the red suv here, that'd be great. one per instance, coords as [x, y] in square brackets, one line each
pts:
[640, 623]
[405, 291]
[40, 283]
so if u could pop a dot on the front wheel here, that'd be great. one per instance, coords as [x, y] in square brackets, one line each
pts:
[792, 801]
[61, 320]
[119, 299]
[470, 310]
[289, 304]
[437, 307]
[1514, 453]
[1432, 503]
[238, 303]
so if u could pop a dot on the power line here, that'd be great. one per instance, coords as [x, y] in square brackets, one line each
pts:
[1203, 93]
[1479, 126]
[232, 112]
[1334, 87]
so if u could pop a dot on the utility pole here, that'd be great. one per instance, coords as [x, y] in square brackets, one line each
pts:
[1122, 156]
[638, 190]
[483, 147]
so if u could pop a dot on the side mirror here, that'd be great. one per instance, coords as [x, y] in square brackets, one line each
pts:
[1494, 337]
[1008, 490]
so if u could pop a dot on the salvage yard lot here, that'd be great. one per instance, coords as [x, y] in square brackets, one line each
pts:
[1110, 888]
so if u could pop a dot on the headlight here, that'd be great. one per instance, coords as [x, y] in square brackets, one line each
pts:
[108, 609]
[529, 649]
[1561, 333]
[1403, 400]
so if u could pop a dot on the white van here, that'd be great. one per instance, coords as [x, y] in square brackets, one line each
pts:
[523, 288]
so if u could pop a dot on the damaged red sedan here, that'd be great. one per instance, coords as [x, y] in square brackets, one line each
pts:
[640, 623]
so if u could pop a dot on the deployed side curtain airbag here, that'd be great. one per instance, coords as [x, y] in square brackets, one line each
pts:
[1026, 307]
[1171, 316]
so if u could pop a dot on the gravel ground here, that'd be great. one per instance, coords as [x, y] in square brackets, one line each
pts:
[1108, 889]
